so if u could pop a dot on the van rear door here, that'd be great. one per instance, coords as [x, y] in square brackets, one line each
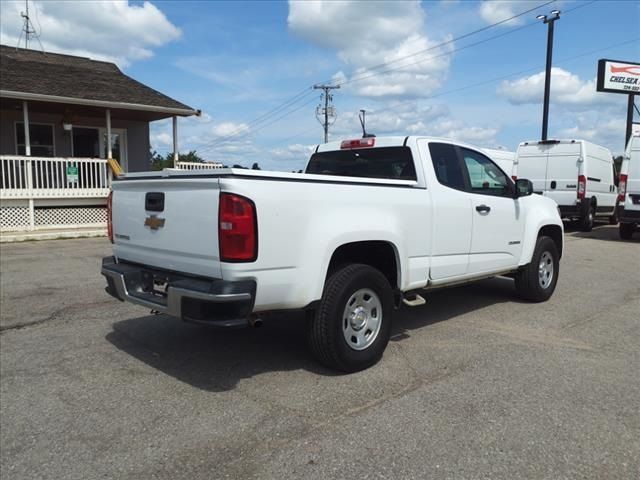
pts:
[531, 164]
[563, 168]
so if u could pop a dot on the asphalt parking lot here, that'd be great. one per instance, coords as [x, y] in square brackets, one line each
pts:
[475, 384]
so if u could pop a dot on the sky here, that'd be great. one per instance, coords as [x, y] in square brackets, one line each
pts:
[437, 68]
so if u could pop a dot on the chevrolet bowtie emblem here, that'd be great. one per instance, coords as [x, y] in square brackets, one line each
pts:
[154, 222]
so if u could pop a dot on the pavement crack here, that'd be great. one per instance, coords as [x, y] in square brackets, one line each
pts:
[51, 317]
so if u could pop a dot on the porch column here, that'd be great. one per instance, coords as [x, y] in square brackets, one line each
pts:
[175, 141]
[28, 173]
[109, 153]
[27, 137]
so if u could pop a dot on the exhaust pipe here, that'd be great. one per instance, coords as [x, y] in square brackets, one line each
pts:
[254, 321]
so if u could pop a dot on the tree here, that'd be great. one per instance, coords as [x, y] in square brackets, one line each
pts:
[158, 162]
[256, 166]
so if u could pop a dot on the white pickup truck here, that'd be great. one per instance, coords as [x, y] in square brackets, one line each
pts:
[370, 226]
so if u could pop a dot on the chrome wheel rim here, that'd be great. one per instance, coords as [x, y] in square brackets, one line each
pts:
[545, 270]
[362, 319]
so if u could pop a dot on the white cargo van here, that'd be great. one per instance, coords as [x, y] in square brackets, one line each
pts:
[504, 158]
[577, 174]
[629, 189]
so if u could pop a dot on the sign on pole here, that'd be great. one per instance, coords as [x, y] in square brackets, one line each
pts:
[618, 77]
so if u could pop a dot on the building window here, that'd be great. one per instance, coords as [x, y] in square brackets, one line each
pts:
[41, 137]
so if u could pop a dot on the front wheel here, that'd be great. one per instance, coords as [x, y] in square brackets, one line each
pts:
[537, 281]
[351, 328]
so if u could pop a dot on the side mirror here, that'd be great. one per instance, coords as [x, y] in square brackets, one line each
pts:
[524, 187]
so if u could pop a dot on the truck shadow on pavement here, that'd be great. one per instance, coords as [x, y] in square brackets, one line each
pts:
[216, 360]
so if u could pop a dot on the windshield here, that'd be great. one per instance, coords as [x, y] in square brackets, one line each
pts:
[384, 162]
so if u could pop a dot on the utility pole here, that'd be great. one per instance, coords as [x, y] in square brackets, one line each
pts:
[547, 78]
[328, 113]
[630, 106]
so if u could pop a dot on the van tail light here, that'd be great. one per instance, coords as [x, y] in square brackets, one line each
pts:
[622, 187]
[237, 229]
[582, 186]
[514, 177]
[110, 216]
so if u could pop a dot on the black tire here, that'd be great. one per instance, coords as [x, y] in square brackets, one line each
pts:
[325, 330]
[626, 230]
[528, 283]
[586, 222]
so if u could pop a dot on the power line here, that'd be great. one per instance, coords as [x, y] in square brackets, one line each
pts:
[364, 76]
[294, 99]
[213, 146]
[461, 37]
[262, 118]
[300, 96]
[503, 77]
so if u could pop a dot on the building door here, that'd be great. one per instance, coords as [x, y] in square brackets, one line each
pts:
[86, 143]
[118, 146]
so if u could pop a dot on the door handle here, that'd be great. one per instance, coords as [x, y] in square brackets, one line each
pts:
[483, 208]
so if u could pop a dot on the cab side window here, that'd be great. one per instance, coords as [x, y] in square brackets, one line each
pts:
[485, 177]
[446, 164]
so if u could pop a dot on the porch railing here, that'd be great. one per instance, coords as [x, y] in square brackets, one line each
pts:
[43, 177]
[198, 165]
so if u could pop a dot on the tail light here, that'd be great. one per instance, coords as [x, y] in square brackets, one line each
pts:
[582, 186]
[237, 229]
[514, 177]
[622, 187]
[110, 216]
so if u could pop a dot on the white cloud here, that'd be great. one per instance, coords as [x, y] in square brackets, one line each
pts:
[566, 89]
[494, 11]
[115, 31]
[382, 32]
[459, 130]
[606, 130]
[297, 151]
[227, 129]
[161, 139]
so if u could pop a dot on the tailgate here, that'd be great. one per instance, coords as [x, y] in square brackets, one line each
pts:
[170, 224]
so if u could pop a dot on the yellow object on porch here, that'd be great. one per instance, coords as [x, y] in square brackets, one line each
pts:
[115, 166]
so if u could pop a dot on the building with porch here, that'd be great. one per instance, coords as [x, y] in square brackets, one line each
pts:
[67, 124]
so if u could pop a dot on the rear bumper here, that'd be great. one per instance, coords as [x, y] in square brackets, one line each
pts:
[578, 210]
[628, 216]
[193, 299]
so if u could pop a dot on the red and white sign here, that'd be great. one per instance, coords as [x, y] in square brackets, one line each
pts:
[618, 77]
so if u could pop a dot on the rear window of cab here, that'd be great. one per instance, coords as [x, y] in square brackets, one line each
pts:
[395, 163]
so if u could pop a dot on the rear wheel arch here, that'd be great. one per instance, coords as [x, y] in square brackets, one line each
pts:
[379, 254]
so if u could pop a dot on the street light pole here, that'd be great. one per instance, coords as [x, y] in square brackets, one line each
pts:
[547, 78]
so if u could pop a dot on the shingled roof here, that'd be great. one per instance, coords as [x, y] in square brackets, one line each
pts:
[35, 74]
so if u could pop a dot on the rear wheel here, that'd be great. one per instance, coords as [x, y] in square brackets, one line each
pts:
[626, 230]
[537, 281]
[586, 223]
[351, 328]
